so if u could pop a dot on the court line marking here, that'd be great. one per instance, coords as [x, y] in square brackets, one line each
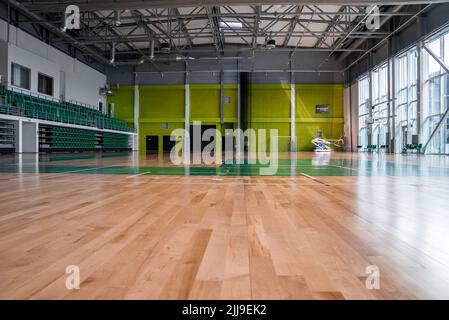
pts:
[80, 170]
[331, 165]
[306, 175]
[139, 174]
[314, 179]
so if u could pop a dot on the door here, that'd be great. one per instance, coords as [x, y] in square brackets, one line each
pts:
[202, 129]
[152, 144]
[167, 144]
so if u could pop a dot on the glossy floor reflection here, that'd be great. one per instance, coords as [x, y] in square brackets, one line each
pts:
[310, 234]
[286, 164]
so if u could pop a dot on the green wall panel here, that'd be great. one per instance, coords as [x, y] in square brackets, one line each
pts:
[123, 100]
[204, 101]
[283, 134]
[161, 101]
[268, 108]
[310, 95]
[270, 101]
[308, 122]
[155, 129]
[230, 109]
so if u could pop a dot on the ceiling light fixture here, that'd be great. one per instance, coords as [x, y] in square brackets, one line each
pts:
[270, 44]
[117, 21]
[112, 60]
[230, 25]
[165, 47]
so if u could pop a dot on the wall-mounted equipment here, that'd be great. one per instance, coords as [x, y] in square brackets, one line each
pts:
[322, 109]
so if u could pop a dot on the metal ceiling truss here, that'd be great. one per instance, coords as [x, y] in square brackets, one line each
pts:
[189, 26]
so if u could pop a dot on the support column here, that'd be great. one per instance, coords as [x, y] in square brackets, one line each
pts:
[19, 136]
[186, 147]
[393, 105]
[292, 113]
[222, 97]
[136, 113]
[37, 137]
[419, 90]
[390, 75]
[370, 106]
[239, 107]
[238, 138]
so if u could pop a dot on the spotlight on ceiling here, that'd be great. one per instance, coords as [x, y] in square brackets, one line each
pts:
[118, 20]
[270, 44]
[112, 60]
[165, 47]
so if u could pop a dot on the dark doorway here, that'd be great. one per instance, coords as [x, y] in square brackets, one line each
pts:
[168, 144]
[202, 129]
[152, 144]
[227, 143]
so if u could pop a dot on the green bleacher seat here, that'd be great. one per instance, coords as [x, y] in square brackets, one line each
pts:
[36, 107]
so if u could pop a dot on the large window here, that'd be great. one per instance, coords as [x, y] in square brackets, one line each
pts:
[413, 123]
[364, 105]
[379, 88]
[45, 84]
[435, 94]
[20, 76]
[406, 99]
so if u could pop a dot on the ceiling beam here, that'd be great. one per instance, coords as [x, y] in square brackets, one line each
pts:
[292, 26]
[184, 29]
[357, 43]
[57, 31]
[59, 6]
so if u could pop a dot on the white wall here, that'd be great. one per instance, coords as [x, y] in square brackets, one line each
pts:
[36, 64]
[82, 83]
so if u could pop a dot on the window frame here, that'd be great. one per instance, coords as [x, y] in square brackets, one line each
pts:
[52, 84]
[22, 67]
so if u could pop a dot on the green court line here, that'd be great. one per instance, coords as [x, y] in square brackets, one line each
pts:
[236, 170]
[286, 167]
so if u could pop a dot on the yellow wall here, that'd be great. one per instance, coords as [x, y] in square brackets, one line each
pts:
[308, 122]
[269, 108]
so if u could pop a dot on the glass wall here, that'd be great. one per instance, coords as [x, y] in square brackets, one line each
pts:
[435, 94]
[406, 98]
[374, 95]
[379, 89]
[363, 111]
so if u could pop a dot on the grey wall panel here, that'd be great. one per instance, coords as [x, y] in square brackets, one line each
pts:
[120, 76]
[204, 77]
[319, 77]
[4, 60]
[274, 77]
[263, 60]
[164, 78]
